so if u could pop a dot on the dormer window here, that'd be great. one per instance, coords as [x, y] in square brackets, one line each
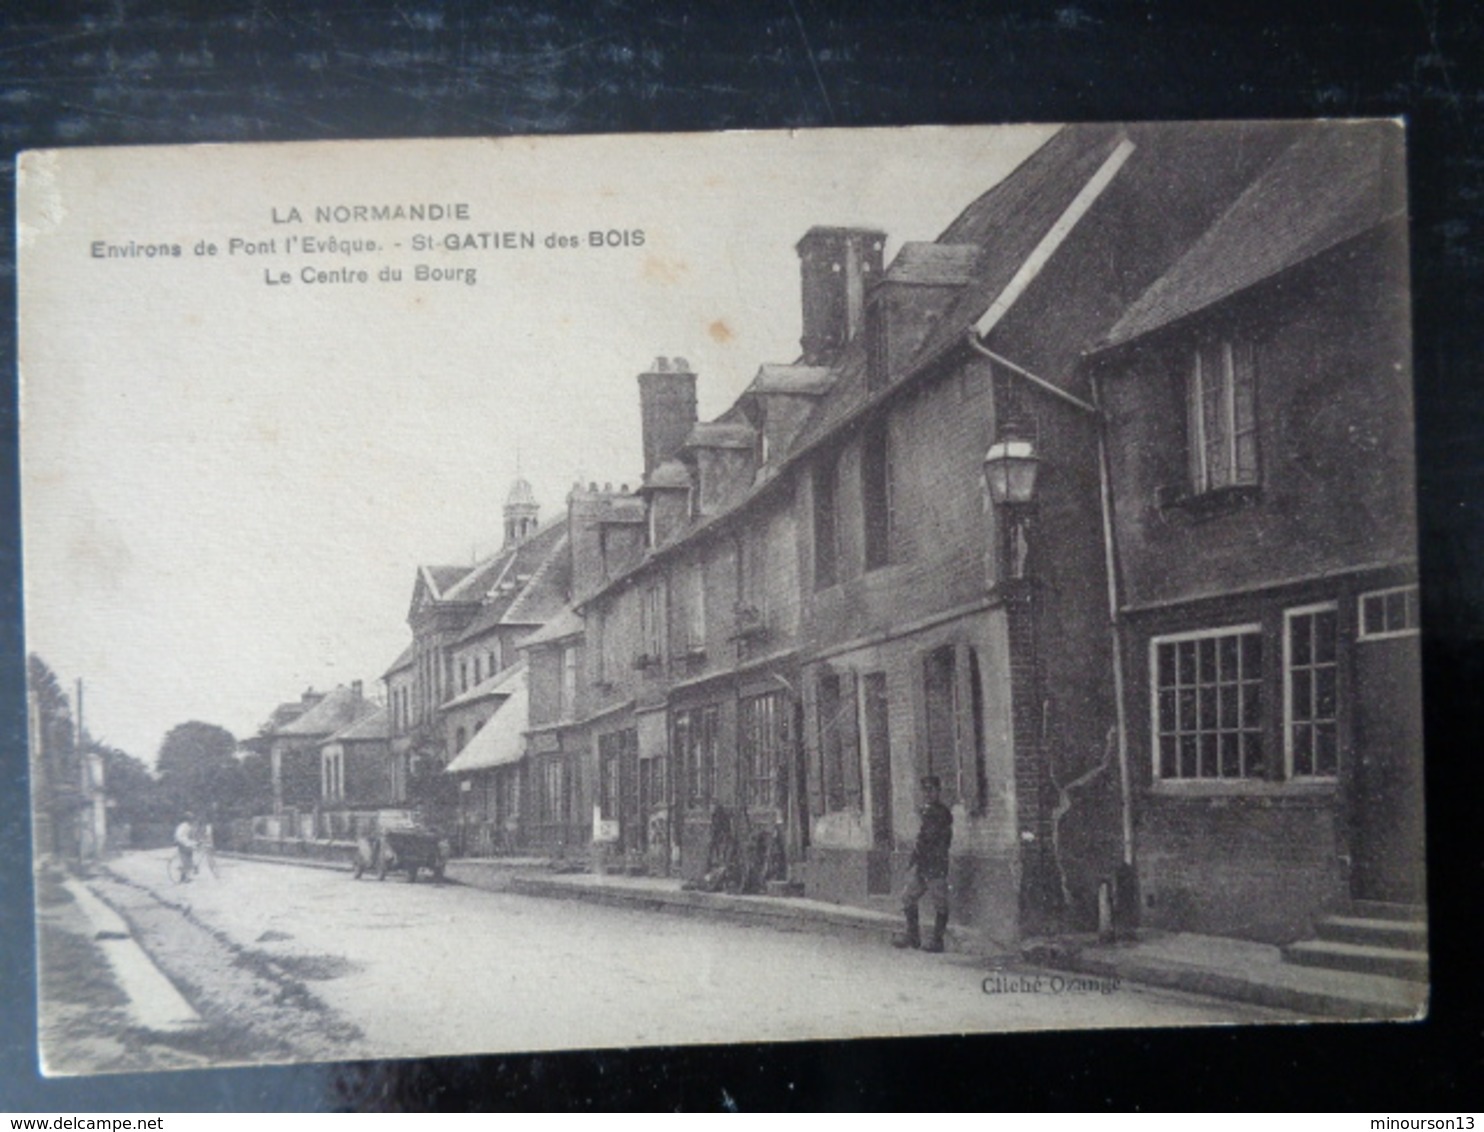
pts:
[1221, 419]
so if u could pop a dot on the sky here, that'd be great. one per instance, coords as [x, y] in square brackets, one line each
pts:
[231, 468]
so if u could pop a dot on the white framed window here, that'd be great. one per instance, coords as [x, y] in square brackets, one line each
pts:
[1310, 692]
[1221, 415]
[567, 702]
[1207, 704]
[1388, 613]
[652, 618]
[695, 606]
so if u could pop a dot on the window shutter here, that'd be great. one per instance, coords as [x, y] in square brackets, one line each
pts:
[850, 746]
[813, 742]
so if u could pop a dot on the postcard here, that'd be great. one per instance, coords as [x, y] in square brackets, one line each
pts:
[517, 594]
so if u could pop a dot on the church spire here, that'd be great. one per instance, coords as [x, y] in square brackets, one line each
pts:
[521, 512]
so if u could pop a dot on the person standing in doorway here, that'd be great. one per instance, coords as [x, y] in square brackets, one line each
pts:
[927, 873]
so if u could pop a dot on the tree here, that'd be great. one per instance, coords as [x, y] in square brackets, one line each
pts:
[199, 770]
[56, 773]
[134, 794]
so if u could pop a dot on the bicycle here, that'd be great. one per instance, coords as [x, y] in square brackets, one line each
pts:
[205, 857]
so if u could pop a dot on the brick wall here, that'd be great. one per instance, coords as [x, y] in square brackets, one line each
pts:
[1334, 441]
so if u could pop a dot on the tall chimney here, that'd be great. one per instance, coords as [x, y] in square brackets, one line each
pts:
[837, 266]
[667, 401]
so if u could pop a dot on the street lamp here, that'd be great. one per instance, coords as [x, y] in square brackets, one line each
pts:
[1010, 468]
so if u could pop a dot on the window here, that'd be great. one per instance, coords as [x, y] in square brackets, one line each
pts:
[652, 628]
[839, 754]
[694, 742]
[1310, 692]
[826, 525]
[1208, 704]
[463, 676]
[940, 695]
[1389, 613]
[877, 503]
[695, 607]
[760, 725]
[567, 693]
[554, 792]
[1221, 426]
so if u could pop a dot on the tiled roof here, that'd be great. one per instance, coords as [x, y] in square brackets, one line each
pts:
[494, 583]
[502, 740]
[773, 378]
[546, 593]
[369, 728]
[337, 710]
[566, 623]
[500, 684]
[934, 264]
[444, 577]
[1027, 221]
[718, 435]
[1333, 182]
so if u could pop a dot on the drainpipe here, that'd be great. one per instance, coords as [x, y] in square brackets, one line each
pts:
[1115, 623]
[1110, 566]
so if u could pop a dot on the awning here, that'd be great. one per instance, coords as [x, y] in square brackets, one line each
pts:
[502, 740]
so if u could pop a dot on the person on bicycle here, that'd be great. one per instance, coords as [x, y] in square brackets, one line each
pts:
[186, 842]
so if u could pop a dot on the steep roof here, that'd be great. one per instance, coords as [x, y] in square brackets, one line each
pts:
[934, 264]
[1029, 235]
[1005, 223]
[366, 729]
[566, 623]
[502, 739]
[1332, 183]
[337, 710]
[523, 585]
[441, 578]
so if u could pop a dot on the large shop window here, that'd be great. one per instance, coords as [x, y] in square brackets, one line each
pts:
[1208, 704]
[761, 724]
[839, 747]
[695, 737]
[1310, 692]
[1221, 429]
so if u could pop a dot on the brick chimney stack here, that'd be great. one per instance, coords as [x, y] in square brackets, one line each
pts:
[667, 402]
[837, 266]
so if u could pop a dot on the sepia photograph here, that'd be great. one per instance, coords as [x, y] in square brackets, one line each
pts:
[571, 593]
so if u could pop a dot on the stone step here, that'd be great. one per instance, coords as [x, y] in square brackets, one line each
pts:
[1387, 910]
[1404, 935]
[1392, 961]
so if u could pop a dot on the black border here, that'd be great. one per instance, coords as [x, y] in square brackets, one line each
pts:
[137, 73]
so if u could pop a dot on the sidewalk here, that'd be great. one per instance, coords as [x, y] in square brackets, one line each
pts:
[1213, 966]
[664, 894]
[1238, 969]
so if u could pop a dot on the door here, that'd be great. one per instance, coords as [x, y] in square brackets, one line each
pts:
[1387, 848]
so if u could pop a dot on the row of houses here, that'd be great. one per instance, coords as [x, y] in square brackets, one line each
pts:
[1099, 507]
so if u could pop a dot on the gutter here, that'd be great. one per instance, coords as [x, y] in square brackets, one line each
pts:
[1094, 410]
